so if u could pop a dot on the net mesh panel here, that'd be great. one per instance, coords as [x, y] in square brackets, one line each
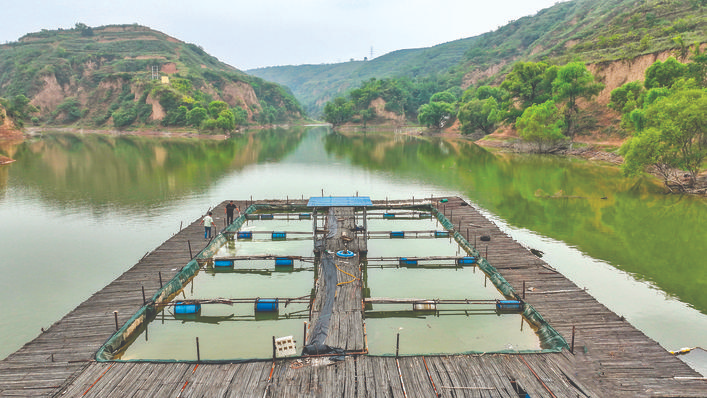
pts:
[550, 339]
[135, 324]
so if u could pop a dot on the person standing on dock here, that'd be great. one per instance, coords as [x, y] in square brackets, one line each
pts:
[230, 207]
[208, 222]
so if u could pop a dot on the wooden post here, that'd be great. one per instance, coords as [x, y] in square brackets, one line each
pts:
[273, 348]
[487, 252]
[115, 315]
[198, 354]
[143, 295]
[397, 346]
[159, 273]
[180, 225]
[572, 345]
[523, 290]
[413, 200]
[304, 341]
[322, 192]
[191, 256]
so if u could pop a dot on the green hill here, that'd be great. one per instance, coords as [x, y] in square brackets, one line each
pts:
[591, 31]
[130, 75]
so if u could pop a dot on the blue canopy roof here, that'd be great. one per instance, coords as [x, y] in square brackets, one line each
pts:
[339, 201]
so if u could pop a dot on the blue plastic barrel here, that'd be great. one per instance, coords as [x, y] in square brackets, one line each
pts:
[509, 305]
[266, 305]
[397, 234]
[283, 262]
[223, 263]
[305, 216]
[405, 261]
[186, 308]
[388, 215]
[441, 234]
[279, 235]
[466, 260]
[267, 216]
[244, 235]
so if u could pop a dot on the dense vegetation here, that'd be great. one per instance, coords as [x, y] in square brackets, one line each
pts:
[591, 31]
[667, 119]
[113, 76]
[531, 75]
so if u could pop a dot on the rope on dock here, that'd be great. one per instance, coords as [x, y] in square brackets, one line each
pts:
[343, 283]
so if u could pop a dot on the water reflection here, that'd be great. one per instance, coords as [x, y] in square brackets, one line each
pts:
[627, 222]
[131, 170]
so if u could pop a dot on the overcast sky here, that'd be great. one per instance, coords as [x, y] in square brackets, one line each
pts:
[257, 33]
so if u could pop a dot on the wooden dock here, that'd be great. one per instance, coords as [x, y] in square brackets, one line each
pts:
[611, 358]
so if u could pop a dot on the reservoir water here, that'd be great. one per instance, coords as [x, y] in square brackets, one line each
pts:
[76, 211]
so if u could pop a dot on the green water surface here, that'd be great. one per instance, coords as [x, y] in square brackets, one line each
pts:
[76, 211]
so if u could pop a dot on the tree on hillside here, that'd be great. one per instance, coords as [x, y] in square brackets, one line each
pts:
[196, 116]
[527, 84]
[338, 111]
[435, 114]
[675, 134]
[626, 99]
[18, 108]
[366, 115]
[444, 96]
[216, 107]
[664, 74]
[479, 115]
[541, 124]
[647, 148]
[573, 82]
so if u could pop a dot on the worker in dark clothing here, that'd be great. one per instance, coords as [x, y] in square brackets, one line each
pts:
[230, 207]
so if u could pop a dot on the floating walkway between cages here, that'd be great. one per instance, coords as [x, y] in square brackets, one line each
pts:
[611, 357]
[253, 257]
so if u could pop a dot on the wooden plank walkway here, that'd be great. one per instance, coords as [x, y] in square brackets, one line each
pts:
[346, 320]
[611, 359]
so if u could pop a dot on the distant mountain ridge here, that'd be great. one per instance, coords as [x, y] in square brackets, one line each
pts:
[592, 31]
[131, 75]
[314, 85]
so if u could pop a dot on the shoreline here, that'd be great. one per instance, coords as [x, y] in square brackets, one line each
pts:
[502, 141]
